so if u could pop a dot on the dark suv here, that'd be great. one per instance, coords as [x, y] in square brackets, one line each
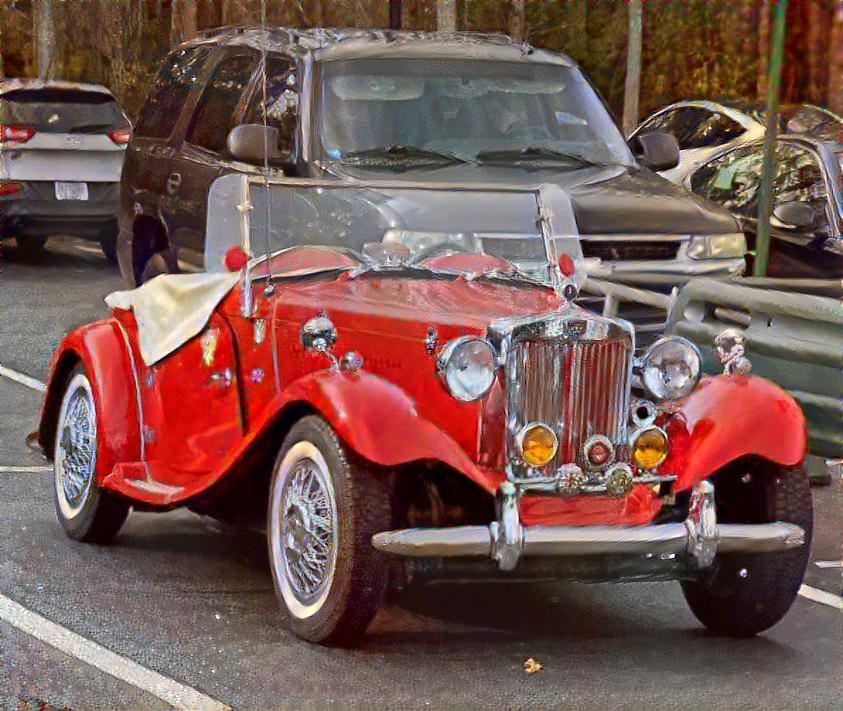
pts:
[427, 108]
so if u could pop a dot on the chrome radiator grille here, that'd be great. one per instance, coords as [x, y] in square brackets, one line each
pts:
[579, 388]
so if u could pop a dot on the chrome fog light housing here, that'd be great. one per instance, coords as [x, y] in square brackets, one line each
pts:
[726, 246]
[670, 368]
[467, 367]
[619, 480]
[598, 451]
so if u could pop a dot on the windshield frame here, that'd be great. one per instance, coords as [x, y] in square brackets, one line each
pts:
[316, 108]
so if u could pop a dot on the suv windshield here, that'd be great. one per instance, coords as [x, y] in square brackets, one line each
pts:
[380, 112]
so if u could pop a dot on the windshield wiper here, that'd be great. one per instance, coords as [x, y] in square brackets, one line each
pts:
[398, 151]
[532, 153]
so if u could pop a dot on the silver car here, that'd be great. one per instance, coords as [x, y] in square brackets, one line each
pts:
[61, 155]
[707, 129]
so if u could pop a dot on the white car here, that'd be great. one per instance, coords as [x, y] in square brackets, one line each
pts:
[706, 129]
[61, 154]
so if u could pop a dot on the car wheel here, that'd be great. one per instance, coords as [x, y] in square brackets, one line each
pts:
[743, 594]
[85, 511]
[108, 244]
[324, 508]
[30, 248]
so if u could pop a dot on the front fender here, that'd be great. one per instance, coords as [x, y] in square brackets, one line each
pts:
[732, 416]
[101, 347]
[379, 421]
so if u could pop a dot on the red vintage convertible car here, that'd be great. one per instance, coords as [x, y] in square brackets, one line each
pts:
[430, 404]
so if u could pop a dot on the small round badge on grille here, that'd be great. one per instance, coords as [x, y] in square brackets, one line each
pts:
[619, 479]
[598, 451]
[570, 480]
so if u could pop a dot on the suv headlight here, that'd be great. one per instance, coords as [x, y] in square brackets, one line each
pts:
[670, 368]
[467, 367]
[717, 246]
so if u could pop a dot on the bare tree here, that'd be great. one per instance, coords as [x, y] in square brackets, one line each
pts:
[45, 36]
[518, 20]
[183, 21]
[632, 87]
[835, 69]
[446, 15]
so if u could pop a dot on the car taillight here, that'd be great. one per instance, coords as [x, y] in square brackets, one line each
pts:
[11, 187]
[15, 134]
[121, 136]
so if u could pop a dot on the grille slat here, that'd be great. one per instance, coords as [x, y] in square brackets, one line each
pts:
[577, 387]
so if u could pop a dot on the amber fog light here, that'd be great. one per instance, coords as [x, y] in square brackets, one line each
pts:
[649, 447]
[538, 444]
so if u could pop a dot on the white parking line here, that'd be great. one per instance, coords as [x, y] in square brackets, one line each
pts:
[37, 469]
[23, 379]
[821, 596]
[829, 563]
[172, 692]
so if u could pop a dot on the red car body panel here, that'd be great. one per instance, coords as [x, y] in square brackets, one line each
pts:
[204, 406]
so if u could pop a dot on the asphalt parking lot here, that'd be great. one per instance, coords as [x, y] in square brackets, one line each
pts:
[181, 609]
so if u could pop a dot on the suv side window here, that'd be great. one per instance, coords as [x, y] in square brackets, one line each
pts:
[214, 114]
[660, 122]
[714, 130]
[173, 84]
[281, 100]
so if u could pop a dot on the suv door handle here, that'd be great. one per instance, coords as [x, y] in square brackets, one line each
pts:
[173, 183]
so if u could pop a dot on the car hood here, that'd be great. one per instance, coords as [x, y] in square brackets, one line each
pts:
[606, 200]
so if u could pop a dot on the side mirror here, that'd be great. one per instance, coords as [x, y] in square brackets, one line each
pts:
[657, 150]
[249, 141]
[795, 215]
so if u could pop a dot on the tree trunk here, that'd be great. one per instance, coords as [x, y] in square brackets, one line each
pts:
[314, 17]
[45, 37]
[182, 21]
[446, 16]
[632, 88]
[517, 20]
[394, 14]
[834, 99]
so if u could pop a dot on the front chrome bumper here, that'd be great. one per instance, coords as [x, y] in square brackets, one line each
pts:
[668, 272]
[699, 538]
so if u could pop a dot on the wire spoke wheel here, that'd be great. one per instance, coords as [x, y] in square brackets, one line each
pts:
[304, 529]
[76, 447]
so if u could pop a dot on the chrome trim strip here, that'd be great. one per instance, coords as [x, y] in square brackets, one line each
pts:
[132, 362]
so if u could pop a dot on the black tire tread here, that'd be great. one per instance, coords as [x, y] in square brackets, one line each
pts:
[737, 607]
[363, 502]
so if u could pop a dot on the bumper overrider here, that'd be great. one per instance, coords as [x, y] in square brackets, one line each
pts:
[505, 541]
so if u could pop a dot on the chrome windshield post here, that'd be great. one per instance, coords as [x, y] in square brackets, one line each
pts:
[244, 208]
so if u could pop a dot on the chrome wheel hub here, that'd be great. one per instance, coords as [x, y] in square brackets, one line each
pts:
[76, 446]
[307, 531]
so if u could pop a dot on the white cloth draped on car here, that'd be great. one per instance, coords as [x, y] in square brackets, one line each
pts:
[172, 308]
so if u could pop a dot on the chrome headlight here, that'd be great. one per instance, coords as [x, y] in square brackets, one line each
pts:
[670, 368]
[717, 246]
[467, 367]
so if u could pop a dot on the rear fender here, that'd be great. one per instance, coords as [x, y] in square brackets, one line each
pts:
[729, 417]
[379, 421]
[102, 348]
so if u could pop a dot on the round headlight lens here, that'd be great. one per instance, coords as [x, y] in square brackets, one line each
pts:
[467, 366]
[670, 369]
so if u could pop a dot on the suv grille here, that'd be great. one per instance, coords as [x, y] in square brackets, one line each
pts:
[633, 250]
[577, 387]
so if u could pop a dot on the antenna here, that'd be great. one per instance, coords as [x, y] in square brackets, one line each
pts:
[269, 289]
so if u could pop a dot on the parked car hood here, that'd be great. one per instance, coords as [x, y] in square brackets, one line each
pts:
[606, 200]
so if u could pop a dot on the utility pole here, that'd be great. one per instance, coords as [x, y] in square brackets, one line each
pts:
[45, 36]
[768, 166]
[632, 88]
[446, 15]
